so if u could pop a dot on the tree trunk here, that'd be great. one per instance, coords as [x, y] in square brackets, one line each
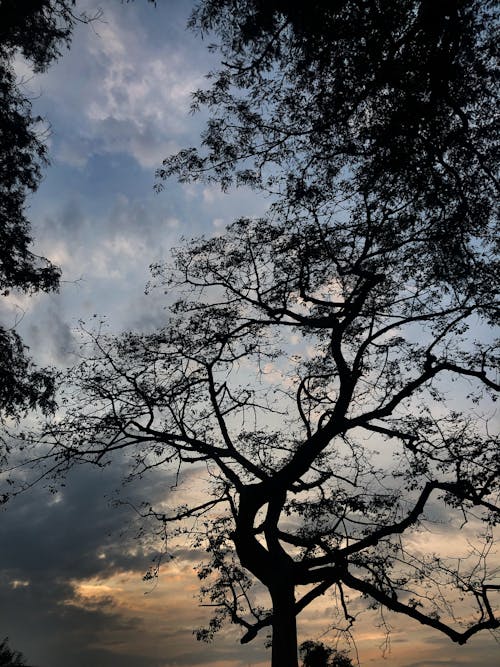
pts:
[284, 646]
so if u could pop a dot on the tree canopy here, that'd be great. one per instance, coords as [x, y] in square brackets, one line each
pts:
[397, 100]
[37, 30]
[10, 658]
[316, 654]
[326, 369]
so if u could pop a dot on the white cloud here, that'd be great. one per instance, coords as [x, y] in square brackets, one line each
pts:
[118, 91]
[139, 102]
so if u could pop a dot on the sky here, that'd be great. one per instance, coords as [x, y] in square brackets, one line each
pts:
[71, 564]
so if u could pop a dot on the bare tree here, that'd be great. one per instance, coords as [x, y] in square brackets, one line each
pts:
[297, 350]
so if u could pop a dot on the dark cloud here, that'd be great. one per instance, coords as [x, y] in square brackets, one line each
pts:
[51, 632]
[69, 220]
[51, 335]
[89, 524]
[50, 542]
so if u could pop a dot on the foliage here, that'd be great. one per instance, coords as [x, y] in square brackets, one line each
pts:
[317, 654]
[37, 30]
[22, 384]
[316, 102]
[10, 658]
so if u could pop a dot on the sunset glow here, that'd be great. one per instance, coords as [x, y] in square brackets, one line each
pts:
[87, 578]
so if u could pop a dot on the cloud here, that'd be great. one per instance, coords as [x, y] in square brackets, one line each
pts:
[104, 256]
[455, 661]
[39, 525]
[71, 584]
[123, 91]
[54, 543]
[51, 632]
[52, 336]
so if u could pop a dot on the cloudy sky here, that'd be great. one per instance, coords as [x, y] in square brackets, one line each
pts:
[71, 565]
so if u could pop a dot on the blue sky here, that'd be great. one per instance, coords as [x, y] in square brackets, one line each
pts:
[71, 567]
[117, 104]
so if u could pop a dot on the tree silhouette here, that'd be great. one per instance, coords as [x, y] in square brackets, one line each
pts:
[295, 495]
[10, 658]
[316, 654]
[37, 29]
[316, 101]
[325, 369]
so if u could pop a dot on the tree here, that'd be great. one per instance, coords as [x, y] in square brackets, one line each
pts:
[304, 342]
[314, 102]
[316, 654]
[10, 658]
[37, 29]
[294, 497]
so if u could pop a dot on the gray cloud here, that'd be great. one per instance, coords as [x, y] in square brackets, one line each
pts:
[125, 84]
[65, 534]
[53, 634]
[50, 542]
[51, 335]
